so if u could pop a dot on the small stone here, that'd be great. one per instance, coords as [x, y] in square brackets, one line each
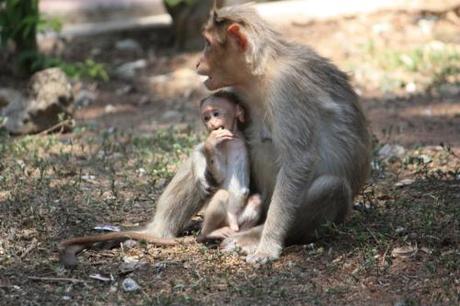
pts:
[129, 244]
[129, 70]
[160, 267]
[123, 90]
[127, 267]
[84, 98]
[450, 90]
[109, 108]
[131, 259]
[405, 182]
[143, 100]
[141, 172]
[404, 252]
[128, 45]
[172, 116]
[130, 285]
[426, 159]
[389, 151]
[411, 87]
[88, 178]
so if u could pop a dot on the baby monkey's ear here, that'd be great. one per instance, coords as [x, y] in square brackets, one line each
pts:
[240, 114]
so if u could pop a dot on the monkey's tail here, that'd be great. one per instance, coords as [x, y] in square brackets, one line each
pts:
[68, 249]
[88, 240]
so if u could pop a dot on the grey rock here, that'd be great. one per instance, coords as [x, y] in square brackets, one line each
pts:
[128, 267]
[129, 70]
[48, 96]
[449, 90]
[130, 285]
[172, 116]
[84, 98]
[128, 45]
[391, 151]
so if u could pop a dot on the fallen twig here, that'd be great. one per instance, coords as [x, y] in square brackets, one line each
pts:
[61, 124]
[373, 235]
[56, 279]
[32, 246]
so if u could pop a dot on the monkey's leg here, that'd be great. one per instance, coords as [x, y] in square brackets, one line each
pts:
[251, 213]
[220, 233]
[182, 199]
[327, 200]
[215, 215]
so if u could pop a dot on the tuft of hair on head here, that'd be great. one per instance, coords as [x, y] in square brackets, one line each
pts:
[224, 94]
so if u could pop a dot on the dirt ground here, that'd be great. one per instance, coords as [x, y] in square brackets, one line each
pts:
[400, 246]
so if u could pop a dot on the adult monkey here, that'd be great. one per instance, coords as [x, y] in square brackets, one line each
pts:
[307, 137]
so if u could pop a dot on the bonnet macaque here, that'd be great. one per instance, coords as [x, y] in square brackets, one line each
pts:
[228, 168]
[307, 137]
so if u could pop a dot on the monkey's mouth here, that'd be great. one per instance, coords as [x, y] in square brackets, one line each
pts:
[210, 83]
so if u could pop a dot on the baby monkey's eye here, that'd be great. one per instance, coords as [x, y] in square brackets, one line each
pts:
[206, 118]
[216, 114]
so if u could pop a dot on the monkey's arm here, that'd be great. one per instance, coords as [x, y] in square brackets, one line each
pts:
[215, 162]
[295, 141]
[184, 196]
[237, 181]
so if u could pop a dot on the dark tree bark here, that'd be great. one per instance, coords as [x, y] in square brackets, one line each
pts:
[188, 18]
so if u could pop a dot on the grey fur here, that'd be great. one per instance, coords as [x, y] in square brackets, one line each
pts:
[316, 157]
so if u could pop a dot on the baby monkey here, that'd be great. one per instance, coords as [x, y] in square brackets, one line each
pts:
[227, 168]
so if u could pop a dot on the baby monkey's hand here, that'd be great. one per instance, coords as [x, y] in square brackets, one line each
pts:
[217, 137]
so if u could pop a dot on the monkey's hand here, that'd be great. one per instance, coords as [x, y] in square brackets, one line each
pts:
[217, 137]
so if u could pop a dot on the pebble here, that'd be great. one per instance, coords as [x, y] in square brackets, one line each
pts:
[130, 285]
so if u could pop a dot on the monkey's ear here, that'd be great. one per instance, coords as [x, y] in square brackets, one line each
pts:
[240, 114]
[234, 31]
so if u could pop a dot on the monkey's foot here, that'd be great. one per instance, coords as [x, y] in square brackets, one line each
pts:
[245, 242]
[266, 251]
[218, 234]
[260, 258]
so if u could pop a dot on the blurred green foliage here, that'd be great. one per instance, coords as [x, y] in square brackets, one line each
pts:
[20, 21]
[177, 2]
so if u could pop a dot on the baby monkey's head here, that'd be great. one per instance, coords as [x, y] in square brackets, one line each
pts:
[221, 110]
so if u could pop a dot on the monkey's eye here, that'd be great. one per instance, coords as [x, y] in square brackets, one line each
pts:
[216, 114]
[206, 118]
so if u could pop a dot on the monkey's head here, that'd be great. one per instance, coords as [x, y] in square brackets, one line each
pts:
[221, 110]
[226, 57]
